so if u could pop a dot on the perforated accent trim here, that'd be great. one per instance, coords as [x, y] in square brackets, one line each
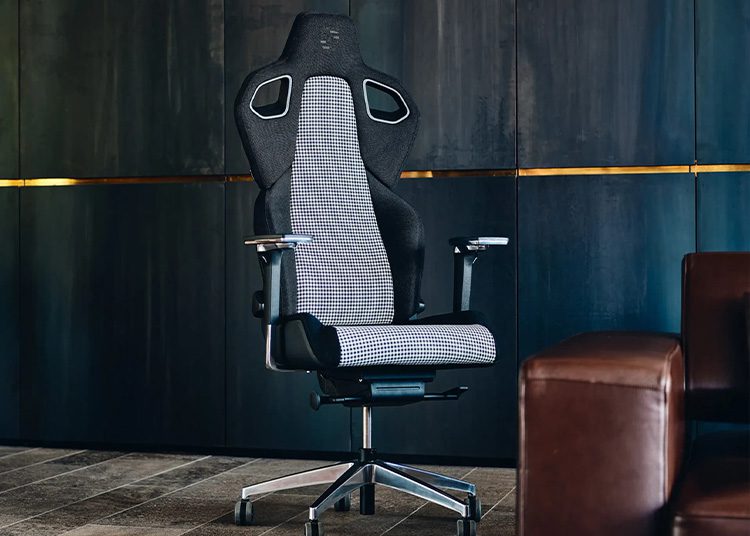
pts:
[288, 97]
[387, 89]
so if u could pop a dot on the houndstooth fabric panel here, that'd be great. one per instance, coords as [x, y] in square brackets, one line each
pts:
[343, 276]
[372, 346]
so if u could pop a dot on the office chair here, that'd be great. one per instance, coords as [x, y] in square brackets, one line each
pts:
[342, 255]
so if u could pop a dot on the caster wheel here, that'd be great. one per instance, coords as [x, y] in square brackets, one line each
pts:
[243, 512]
[344, 504]
[313, 528]
[475, 508]
[466, 527]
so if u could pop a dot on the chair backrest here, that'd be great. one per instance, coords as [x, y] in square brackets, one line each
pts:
[326, 152]
[715, 338]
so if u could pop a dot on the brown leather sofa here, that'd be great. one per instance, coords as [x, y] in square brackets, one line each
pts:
[604, 418]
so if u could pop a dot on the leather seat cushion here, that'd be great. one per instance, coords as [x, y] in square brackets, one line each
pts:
[714, 498]
[452, 340]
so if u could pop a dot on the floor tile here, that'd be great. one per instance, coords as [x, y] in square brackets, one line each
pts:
[6, 451]
[87, 457]
[86, 511]
[178, 511]
[62, 490]
[273, 467]
[104, 530]
[22, 459]
[131, 494]
[497, 524]
[40, 471]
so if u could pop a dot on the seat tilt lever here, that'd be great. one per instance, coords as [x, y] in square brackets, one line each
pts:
[317, 400]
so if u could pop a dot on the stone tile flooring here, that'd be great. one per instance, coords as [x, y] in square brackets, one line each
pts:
[45, 492]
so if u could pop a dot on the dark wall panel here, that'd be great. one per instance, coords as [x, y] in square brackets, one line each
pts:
[9, 318]
[123, 308]
[724, 212]
[8, 88]
[114, 88]
[265, 409]
[255, 35]
[457, 59]
[605, 83]
[601, 252]
[483, 422]
[723, 81]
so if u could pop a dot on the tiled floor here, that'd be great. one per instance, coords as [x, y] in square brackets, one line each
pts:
[84, 493]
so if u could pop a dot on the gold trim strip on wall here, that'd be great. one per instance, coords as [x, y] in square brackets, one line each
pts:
[447, 173]
[425, 174]
[720, 168]
[606, 170]
[55, 181]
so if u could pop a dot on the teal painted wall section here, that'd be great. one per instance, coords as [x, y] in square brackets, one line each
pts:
[112, 88]
[724, 212]
[10, 322]
[601, 253]
[723, 81]
[8, 89]
[457, 59]
[605, 83]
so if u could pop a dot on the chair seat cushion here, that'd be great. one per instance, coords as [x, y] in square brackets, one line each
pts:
[714, 498]
[446, 341]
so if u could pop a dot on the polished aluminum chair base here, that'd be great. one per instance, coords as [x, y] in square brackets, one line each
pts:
[345, 478]
[348, 477]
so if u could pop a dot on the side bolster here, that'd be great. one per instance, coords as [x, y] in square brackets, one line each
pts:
[271, 216]
[403, 237]
[269, 143]
[601, 419]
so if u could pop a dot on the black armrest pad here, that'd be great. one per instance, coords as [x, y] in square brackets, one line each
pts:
[277, 240]
[477, 243]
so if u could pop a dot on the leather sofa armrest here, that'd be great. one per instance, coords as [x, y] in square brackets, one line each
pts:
[602, 432]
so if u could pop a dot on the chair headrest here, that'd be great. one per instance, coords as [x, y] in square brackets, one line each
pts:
[324, 45]
[328, 43]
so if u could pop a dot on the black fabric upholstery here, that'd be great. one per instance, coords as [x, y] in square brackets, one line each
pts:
[383, 147]
[403, 237]
[270, 150]
[271, 216]
[309, 345]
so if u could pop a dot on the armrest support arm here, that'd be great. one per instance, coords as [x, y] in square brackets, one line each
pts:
[270, 248]
[466, 249]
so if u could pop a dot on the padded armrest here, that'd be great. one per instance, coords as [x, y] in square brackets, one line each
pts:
[465, 252]
[602, 426]
[465, 244]
[270, 242]
[270, 249]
